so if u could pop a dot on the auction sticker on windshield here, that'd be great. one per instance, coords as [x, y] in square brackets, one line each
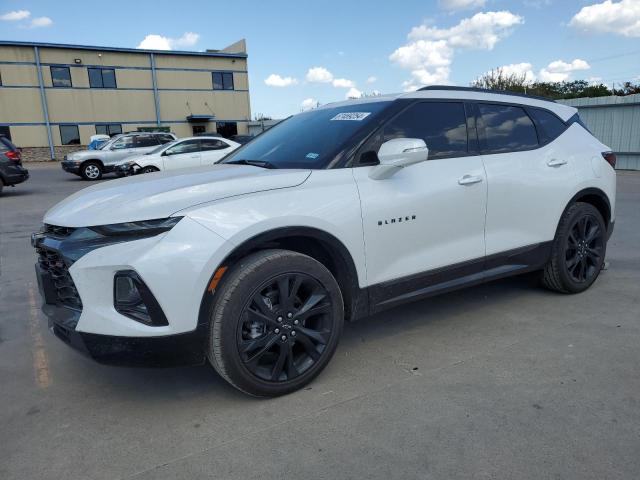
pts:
[353, 116]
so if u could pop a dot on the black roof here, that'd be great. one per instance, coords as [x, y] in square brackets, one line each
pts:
[484, 90]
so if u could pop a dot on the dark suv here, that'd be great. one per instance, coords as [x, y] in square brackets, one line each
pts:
[11, 170]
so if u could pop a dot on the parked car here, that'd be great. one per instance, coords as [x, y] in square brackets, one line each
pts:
[184, 153]
[11, 170]
[333, 214]
[92, 164]
[242, 139]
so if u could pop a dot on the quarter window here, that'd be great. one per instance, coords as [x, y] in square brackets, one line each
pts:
[507, 128]
[222, 80]
[550, 127]
[102, 77]
[69, 135]
[108, 129]
[442, 126]
[60, 76]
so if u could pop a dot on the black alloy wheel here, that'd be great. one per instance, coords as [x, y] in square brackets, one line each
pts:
[285, 327]
[585, 249]
[578, 250]
[276, 319]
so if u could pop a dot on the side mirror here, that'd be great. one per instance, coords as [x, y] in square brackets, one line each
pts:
[397, 154]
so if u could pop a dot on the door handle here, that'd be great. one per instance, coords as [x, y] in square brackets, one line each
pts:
[469, 180]
[554, 162]
[194, 156]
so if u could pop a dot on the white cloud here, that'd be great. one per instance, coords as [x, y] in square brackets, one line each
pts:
[188, 39]
[430, 50]
[353, 93]
[455, 5]
[308, 104]
[15, 15]
[40, 22]
[343, 83]
[275, 80]
[319, 75]
[559, 71]
[372, 79]
[622, 18]
[519, 69]
[158, 42]
[483, 30]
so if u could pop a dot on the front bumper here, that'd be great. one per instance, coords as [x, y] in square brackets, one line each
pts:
[71, 167]
[165, 351]
[176, 266]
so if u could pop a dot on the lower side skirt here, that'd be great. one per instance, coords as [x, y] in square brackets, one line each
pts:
[473, 272]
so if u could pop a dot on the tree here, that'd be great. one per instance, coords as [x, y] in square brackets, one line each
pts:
[497, 79]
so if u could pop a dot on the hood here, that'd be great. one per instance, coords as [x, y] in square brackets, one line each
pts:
[82, 154]
[159, 195]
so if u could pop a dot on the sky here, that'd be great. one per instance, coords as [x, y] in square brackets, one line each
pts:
[303, 53]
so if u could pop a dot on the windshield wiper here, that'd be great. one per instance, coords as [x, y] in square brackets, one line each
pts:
[254, 163]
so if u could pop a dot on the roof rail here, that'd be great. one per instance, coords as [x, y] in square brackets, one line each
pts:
[484, 90]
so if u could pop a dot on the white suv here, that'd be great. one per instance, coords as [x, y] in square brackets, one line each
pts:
[332, 215]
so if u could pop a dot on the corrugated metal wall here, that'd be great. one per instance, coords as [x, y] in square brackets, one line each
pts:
[615, 121]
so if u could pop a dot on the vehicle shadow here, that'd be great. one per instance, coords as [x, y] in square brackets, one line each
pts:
[144, 383]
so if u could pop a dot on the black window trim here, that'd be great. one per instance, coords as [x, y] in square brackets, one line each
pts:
[108, 125]
[354, 159]
[102, 69]
[223, 73]
[53, 83]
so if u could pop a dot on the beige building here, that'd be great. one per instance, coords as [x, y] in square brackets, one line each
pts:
[54, 97]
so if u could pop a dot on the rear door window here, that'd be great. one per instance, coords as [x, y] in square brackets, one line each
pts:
[506, 128]
[146, 141]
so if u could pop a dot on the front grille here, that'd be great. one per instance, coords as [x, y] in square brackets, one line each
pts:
[52, 263]
[58, 232]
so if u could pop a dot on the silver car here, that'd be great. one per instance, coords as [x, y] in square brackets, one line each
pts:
[92, 164]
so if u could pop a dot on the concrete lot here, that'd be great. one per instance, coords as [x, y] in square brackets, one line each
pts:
[501, 381]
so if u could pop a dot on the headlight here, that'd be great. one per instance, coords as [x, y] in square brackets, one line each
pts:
[146, 228]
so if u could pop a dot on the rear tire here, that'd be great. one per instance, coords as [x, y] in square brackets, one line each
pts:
[91, 171]
[275, 322]
[578, 250]
[149, 169]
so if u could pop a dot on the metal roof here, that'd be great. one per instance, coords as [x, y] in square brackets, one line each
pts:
[10, 43]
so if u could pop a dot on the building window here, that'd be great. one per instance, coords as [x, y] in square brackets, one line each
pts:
[60, 76]
[222, 80]
[5, 131]
[108, 129]
[227, 129]
[69, 135]
[198, 129]
[102, 78]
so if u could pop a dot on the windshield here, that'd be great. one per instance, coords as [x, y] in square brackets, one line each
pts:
[310, 139]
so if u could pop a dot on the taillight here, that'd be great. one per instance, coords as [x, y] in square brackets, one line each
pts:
[13, 155]
[610, 157]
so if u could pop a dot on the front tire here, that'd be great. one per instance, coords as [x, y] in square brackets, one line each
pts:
[91, 171]
[578, 250]
[149, 170]
[275, 322]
